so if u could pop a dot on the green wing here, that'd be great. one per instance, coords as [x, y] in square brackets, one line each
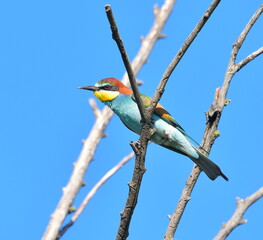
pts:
[161, 112]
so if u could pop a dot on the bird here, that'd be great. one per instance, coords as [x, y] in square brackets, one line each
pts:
[168, 133]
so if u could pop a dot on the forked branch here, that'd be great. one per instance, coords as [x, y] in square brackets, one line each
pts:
[213, 117]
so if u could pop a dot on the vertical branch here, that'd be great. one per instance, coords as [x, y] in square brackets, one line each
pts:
[139, 168]
[140, 146]
[181, 52]
[213, 117]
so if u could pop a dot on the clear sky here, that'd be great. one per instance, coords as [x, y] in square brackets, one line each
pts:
[49, 48]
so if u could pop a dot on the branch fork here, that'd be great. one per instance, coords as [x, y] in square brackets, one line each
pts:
[213, 117]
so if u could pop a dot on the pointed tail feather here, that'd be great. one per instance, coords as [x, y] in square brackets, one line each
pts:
[209, 167]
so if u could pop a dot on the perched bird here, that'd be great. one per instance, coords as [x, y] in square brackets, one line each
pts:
[168, 133]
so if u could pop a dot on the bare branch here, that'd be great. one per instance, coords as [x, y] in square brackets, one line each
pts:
[213, 117]
[126, 61]
[76, 179]
[239, 42]
[249, 58]
[97, 132]
[180, 53]
[139, 149]
[184, 199]
[140, 146]
[237, 218]
[100, 183]
[94, 190]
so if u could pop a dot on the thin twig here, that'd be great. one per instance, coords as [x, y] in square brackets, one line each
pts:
[181, 52]
[92, 192]
[249, 58]
[213, 118]
[239, 42]
[97, 132]
[237, 218]
[100, 183]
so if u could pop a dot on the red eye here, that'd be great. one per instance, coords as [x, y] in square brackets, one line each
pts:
[107, 87]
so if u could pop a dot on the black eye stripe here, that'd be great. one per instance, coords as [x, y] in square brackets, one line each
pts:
[109, 88]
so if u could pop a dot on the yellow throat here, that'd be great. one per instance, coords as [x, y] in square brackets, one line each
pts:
[105, 96]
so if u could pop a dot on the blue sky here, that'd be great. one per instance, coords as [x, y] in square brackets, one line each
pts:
[49, 48]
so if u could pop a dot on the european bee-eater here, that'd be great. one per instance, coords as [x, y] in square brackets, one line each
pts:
[168, 133]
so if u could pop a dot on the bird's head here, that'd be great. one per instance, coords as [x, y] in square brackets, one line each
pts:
[108, 89]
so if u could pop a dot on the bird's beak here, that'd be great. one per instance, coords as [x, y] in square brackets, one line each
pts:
[91, 88]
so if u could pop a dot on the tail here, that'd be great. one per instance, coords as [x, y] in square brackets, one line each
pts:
[209, 167]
